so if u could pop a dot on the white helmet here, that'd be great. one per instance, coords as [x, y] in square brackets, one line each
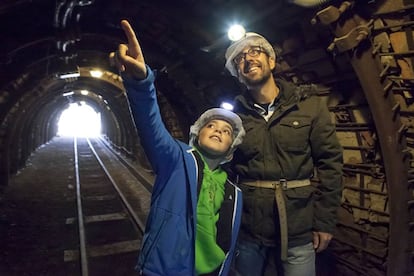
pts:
[221, 114]
[249, 39]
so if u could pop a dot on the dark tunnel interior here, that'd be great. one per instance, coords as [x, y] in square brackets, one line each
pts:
[360, 54]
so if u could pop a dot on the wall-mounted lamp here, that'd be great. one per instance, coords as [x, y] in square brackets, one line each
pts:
[96, 73]
[69, 75]
[68, 94]
[69, 71]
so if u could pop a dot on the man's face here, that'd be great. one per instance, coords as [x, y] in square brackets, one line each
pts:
[254, 66]
[216, 137]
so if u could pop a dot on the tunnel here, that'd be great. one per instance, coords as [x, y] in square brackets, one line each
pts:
[359, 54]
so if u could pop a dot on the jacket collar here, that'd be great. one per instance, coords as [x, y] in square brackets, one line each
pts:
[288, 95]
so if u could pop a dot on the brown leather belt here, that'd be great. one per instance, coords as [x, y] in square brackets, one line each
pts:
[280, 186]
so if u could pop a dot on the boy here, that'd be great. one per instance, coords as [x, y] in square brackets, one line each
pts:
[195, 211]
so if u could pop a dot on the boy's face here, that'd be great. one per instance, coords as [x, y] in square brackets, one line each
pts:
[216, 137]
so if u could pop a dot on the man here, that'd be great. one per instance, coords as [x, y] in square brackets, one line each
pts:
[289, 136]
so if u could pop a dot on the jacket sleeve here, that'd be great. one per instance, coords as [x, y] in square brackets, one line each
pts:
[160, 147]
[327, 156]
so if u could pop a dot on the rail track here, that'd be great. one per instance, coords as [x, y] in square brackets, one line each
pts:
[109, 225]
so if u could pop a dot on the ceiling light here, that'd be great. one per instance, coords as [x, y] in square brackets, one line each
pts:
[226, 105]
[236, 32]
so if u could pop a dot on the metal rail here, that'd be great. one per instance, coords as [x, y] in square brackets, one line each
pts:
[85, 251]
[143, 180]
[136, 219]
[81, 227]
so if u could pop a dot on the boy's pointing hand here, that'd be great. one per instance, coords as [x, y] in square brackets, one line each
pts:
[129, 58]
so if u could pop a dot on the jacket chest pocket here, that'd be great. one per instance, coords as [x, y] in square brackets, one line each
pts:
[253, 141]
[293, 133]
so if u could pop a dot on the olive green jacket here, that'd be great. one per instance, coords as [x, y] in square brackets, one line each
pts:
[298, 140]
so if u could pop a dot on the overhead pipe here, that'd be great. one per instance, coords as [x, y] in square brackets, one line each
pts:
[59, 7]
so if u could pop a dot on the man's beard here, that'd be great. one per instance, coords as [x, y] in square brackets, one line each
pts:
[257, 82]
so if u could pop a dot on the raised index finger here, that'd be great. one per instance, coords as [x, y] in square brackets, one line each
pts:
[133, 43]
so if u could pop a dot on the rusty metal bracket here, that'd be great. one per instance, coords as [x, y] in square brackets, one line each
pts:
[388, 87]
[351, 39]
[401, 132]
[330, 14]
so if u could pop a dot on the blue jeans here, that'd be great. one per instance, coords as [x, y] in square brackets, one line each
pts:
[251, 260]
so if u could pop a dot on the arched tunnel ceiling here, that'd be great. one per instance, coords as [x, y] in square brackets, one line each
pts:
[185, 39]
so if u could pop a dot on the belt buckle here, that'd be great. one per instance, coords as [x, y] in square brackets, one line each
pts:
[283, 183]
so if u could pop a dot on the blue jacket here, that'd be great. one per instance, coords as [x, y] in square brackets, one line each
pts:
[168, 245]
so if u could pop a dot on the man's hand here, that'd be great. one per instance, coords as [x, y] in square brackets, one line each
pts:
[321, 240]
[128, 58]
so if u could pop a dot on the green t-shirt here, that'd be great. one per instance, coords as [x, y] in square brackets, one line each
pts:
[208, 254]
